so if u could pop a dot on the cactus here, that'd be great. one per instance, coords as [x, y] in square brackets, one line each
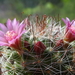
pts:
[43, 50]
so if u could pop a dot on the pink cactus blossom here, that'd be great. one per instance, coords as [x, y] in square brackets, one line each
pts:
[10, 34]
[70, 30]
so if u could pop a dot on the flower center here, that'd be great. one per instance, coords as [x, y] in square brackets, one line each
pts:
[10, 35]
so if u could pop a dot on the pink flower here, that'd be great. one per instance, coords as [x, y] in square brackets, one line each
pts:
[68, 23]
[39, 47]
[10, 34]
[70, 30]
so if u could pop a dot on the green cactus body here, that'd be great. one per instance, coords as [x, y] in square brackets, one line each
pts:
[53, 60]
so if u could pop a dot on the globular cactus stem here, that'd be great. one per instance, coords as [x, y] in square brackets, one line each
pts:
[47, 47]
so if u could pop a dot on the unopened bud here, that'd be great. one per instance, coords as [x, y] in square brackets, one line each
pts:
[39, 47]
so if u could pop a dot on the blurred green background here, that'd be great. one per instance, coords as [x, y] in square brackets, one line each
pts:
[22, 8]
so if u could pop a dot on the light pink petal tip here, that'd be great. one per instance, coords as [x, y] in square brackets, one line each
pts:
[21, 29]
[15, 25]
[9, 24]
[3, 27]
[66, 20]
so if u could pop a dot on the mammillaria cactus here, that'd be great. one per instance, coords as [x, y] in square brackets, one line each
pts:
[41, 50]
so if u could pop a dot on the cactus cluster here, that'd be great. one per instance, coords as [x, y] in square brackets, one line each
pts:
[45, 48]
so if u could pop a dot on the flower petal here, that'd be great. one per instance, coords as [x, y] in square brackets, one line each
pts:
[73, 23]
[3, 39]
[3, 44]
[1, 34]
[15, 24]
[9, 24]
[3, 27]
[21, 29]
[66, 21]
[15, 42]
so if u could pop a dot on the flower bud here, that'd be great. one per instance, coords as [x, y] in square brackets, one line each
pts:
[70, 35]
[70, 30]
[60, 45]
[39, 47]
[59, 42]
